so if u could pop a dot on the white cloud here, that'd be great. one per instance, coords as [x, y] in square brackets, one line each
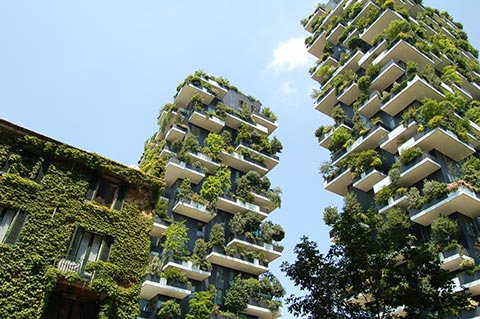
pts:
[287, 88]
[290, 55]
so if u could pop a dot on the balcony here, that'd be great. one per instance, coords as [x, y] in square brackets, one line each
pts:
[234, 121]
[451, 260]
[333, 35]
[442, 140]
[175, 133]
[471, 283]
[235, 205]
[388, 74]
[260, 309]
[367, 179]
[463, 200]
[471, 87]
[468, 314]
[241, 263]
[159, 226]
[317, 14]
[416, 90]
[205, 161]
[350, 64]
[350, 94]
[367, 59]
[317, 46]
[338, 183]
[264, 121]
[326, 102]
[209, 122]
[270, 161]
[324, 140]
[194, 210]
[379, 25]
[154, 285]
[366, 142]
[176, 169]
[337, 9]
[400, 133]
[422, 167]
[397, 201]
[271, 252]
[403, 51]
[262, 201]
[329, 61]
[188, 268]
[243, 163]
[365, 11]
[371, 106]
[219, 90]
[184, 96]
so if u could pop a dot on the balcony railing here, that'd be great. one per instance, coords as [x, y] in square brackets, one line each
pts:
[271, 251]
[154, 285]
[176, 169]
[73, 264]
[462, 200]
[237, 261]
[193, 209]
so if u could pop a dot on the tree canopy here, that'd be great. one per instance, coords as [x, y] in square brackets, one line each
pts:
[375, 268]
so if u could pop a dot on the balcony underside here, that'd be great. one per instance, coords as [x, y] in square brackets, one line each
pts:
[419, 171]
[316, 48]
[151, 288]
[339, 185]
[236, 263]
[463, 201]
[366, 181]
[350, 94]
[193, 210]
[403, 51]
[210, 123]
[174, 133]
[269, 254]
[269, 161]
[416, 90]
[189, 269]
[269, 124]
[387, 77]
[371, 106]
[175, 171]
[239, 162]
[261, 312]
[398, 134]
[184, 96]
[327, 102]
[446, 143]
[379, 25]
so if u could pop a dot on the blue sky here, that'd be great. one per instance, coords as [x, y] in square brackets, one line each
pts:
[94, 74]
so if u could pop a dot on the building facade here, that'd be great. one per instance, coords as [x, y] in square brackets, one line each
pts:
[183, 236]
[213, 149]
[401, 83]
[74, 230]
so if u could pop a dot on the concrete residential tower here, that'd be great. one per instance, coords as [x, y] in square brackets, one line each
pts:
[401, 83]
[214, 148]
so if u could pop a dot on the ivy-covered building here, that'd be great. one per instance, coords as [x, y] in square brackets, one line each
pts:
[401, 83]
[74, 230]
[211, 243]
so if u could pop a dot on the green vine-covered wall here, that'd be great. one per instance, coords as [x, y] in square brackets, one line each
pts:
[55, 206]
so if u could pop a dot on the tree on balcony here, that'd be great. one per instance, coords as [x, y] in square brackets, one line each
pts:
[201, 305]
[169, 309]
[375, 266]
[176, 238]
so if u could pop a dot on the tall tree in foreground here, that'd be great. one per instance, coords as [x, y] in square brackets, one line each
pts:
[375, 269]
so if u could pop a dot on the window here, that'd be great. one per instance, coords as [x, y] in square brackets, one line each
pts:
[107, 192]
[11, 224]
[200, 230]
[219, 297]
[87, 246]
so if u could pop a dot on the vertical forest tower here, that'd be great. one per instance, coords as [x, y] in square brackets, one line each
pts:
[401, 83]
[210, 239]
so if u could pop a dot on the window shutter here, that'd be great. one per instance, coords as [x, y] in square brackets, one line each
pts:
[15, 228]
[91, 188]
[75, 242]
[105, 248]
[121, 194]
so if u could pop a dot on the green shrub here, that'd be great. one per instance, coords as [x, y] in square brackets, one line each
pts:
[410, 154]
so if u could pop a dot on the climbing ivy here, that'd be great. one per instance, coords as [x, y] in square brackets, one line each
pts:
[55, 205]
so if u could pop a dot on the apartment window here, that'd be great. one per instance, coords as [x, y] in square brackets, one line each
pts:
[200, 230]
[87, 246]
[219, 297]
[11, 224]
[107, 192]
